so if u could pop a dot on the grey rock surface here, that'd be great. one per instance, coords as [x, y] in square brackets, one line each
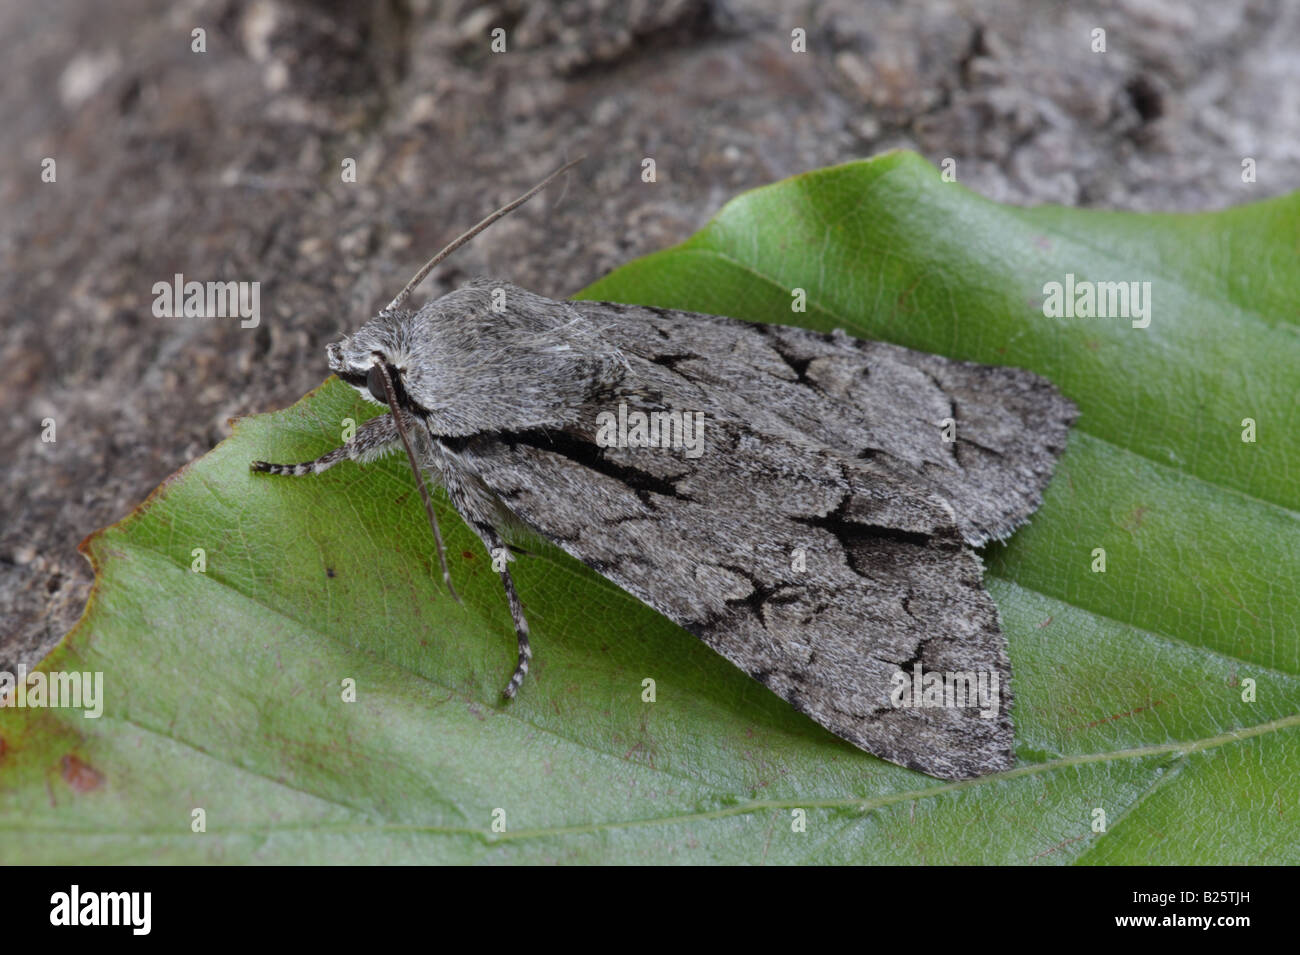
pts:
[226, 165]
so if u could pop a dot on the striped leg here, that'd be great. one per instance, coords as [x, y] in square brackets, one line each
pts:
[482, 511]
[498, 550]
[374, 439]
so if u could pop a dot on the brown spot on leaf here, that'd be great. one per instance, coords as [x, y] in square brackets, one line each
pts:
[80, 776]
[467, 554]
[1134, 520]
[904, 303]
[329, 572]
[1061, 845]
[1119, 716]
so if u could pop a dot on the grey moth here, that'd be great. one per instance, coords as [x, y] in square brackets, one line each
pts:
[806, 504]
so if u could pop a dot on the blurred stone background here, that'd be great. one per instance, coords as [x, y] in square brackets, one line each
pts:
[225, 165]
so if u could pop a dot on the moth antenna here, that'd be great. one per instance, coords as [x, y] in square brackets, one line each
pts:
[465, 236]
[391, 395]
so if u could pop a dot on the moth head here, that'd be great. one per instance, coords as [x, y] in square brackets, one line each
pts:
[454, 362]
[357, 358]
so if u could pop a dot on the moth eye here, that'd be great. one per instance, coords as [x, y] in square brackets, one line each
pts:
[375, 382]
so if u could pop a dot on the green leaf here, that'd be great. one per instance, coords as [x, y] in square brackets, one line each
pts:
[223, 688]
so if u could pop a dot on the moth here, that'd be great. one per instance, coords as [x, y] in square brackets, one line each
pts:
[822, 536]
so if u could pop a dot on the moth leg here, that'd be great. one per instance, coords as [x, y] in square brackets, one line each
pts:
[482, 511]
[498, 551]
[374, 439]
